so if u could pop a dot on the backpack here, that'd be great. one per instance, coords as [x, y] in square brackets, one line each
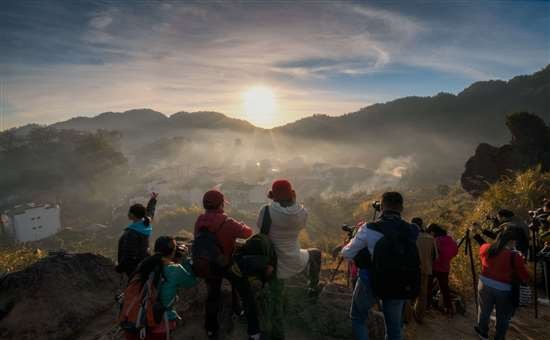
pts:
[258, 252]
[140, 307]
[395, 264]
[207, 254]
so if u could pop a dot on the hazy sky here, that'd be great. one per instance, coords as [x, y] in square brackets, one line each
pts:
[60, 59]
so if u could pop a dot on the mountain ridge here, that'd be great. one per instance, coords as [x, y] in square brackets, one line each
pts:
[532, 87]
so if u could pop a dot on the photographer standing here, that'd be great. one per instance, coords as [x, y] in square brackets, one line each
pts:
[506, 220]
[388, 275]
[447, 249]
[501, 269]
[427, 251]
[288, 218]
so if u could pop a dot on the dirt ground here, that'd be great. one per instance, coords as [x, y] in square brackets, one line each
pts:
[436, 326]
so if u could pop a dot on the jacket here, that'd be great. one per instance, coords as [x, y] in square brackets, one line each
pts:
[447, 249]
[286, 224]
[427, 251]
[498, 268]
[133, 247]
[226, 229]
[367, 237]
[133, 244]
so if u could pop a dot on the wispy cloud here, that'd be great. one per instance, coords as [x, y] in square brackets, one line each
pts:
[68, 58]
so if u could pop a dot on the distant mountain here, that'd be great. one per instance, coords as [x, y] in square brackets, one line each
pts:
[146, 119]
[475, 114]
[122, 121]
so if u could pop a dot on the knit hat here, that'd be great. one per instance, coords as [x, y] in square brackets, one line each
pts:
[213, 199]
[281, 190]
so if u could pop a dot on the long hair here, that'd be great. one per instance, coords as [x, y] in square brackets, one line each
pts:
[436, 229]
[164, 246]
[502, 240]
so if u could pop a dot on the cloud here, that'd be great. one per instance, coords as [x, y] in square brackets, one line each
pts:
[317, 56]
[101, 21]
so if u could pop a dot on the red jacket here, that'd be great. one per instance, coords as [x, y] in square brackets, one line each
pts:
[227, 230]
[447, 250]
[499, 268]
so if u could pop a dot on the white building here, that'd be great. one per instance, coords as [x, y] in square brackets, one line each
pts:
[30, 222]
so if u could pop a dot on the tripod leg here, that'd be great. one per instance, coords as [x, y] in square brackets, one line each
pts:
[472, 268]
[535, 292]
[335, 271]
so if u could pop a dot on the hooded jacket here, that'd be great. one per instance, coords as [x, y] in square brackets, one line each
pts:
[227, 230]
[286, 224]
[133, 247]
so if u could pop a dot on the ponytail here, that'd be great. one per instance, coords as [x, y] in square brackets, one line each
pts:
[146, 221]
[164, 246]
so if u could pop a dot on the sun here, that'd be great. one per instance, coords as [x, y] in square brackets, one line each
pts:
[259, 105]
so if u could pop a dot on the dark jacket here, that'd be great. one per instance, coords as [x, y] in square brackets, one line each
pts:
[520, 229]
[133, 245]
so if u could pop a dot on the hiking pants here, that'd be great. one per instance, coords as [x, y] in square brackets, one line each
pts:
[490, 298]
[422, 299]
[443, 280]
[242, 286]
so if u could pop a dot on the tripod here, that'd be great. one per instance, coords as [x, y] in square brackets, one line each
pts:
[467, 241]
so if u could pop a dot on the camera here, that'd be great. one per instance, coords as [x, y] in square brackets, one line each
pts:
[182, 249]
[376, 206]
[349, 230]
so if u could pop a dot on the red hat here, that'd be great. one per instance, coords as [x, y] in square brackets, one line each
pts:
[213, 199]
[281, 190]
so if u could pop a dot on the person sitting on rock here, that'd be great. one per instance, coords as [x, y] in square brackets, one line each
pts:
[133, 245]
[288, 218]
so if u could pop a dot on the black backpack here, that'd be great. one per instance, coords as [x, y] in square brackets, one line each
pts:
[258, 252]
[395, 264]
[207, 254]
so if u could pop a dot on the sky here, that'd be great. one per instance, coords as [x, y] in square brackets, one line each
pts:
[60, 59]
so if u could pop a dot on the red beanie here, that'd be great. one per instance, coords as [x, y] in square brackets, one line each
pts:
[281, 190]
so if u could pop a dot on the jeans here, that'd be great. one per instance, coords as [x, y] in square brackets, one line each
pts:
[242, 286]
[393, 314]
[490, 298]
[361, 303]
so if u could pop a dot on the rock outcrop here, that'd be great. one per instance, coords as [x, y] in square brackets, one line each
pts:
[56, 297]
[529, 147]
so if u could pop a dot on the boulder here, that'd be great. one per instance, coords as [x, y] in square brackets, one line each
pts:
[57, 296]
[529, 147]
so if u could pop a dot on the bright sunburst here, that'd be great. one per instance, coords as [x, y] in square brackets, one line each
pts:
[259, 106]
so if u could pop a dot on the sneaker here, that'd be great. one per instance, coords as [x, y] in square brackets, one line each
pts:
[254, 337]
[481, 335]
[211, 334]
